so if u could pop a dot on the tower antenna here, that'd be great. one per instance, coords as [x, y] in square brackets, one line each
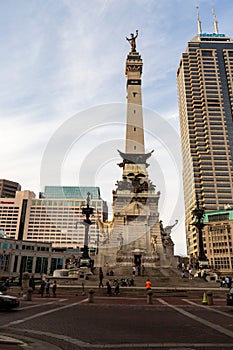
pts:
[198, 21]
[215, 21]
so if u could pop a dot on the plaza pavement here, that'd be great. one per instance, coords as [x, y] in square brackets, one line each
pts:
[167, 287]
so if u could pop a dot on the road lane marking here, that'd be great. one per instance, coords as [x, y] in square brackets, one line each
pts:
[148, 345]
[40, 304]
[210, 308]
[198, 319]
[44, 313]
[128, 345]
[84, 344]
[33, 306]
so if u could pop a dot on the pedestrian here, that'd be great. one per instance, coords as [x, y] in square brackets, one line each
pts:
[190, 273]
[130, 282]
[47, 288]
[148, 285]
[143, 270]
[54, 288]
[42, 288]
[109, 288]
[7, 283]
[134, 270]
[222, 282]
[204, 274]
[228, 281]
[101, 276]
[4, 287]
[32, 283]
[117, 287]
[183, 270]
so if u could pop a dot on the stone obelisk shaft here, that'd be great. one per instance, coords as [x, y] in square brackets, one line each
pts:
[134, 124]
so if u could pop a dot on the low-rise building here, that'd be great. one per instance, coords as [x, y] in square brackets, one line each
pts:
[37, 258]
[218, 240]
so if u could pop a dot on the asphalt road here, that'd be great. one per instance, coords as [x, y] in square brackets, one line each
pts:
[71, 323]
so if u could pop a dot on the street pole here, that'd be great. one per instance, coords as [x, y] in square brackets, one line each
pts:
[198, 214]
[87, 211]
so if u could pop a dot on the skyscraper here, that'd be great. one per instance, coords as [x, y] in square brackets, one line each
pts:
[205, 96]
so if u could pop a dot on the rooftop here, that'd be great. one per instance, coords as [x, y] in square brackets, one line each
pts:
[70, 192]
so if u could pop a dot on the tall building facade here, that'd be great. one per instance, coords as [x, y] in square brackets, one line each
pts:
[8, 188]
[56, 217]
[205, 96]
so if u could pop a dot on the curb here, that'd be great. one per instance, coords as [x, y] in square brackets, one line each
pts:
[24, 342]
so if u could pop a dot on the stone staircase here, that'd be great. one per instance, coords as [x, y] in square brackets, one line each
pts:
[165, 282]
[159, 276]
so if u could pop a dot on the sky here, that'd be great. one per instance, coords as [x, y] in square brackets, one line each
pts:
[63, 91]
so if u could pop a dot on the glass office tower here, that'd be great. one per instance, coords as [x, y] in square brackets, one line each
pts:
[205, 96]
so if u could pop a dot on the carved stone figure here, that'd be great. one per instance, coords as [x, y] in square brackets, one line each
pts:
[168, 229]
[166, 234]
[154, 243]
[132, 41]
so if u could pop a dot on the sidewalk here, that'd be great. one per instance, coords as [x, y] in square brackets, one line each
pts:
[21, 342]
[9, 343]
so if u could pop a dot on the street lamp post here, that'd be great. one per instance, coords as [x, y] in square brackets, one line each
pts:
[87, 211]
[198, 214]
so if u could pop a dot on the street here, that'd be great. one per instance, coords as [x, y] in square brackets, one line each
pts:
[121, 323]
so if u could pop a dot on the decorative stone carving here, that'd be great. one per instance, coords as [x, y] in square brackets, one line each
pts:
[133, 68]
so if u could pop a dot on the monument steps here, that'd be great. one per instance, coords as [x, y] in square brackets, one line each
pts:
[159, 276]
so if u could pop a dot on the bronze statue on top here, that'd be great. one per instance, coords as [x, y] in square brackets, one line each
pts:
[132, 41]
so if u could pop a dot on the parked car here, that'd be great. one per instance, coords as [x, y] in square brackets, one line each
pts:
[230, 297]
[8, 302]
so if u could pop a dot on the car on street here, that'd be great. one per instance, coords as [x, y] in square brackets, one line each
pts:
[230, 297]
[8, 302]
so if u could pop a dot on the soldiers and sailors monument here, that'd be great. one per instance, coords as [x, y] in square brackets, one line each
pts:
[135, 235]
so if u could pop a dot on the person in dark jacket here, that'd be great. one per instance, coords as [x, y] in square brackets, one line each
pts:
[42, 288]
[101, 276]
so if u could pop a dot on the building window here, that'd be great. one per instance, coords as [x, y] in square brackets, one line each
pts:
[15, 263]
[41, 265]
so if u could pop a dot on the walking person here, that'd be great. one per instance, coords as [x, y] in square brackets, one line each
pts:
[54, 288]
[190, 273]
[228, 281]
[117, 287]
[32, 283]
[42, 288]
[109, 288]
[148, 285]
[143, 270]
[47, 288]
[101, 276]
